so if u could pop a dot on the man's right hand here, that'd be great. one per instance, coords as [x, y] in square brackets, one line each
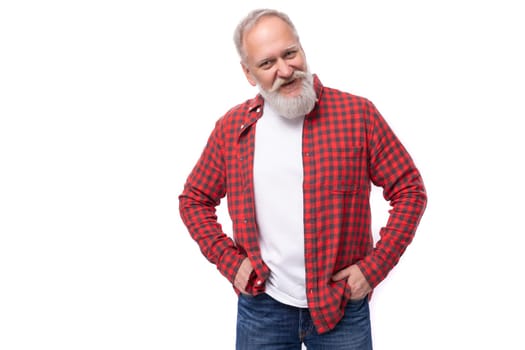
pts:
[243, 276]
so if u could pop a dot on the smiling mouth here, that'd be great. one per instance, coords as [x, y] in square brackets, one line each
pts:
[283, 85]
[289, 84]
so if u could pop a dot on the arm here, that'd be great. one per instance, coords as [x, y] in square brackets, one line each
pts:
[391, 167]
[203, 191]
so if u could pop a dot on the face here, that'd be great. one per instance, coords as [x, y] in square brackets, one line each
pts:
[273, 54]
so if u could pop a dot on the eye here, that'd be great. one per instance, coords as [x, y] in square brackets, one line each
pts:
[265, 64]
[290, 54]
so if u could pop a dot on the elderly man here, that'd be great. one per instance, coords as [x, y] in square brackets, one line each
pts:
[296, 164]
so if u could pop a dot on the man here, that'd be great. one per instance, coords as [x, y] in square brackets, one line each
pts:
[297, 163]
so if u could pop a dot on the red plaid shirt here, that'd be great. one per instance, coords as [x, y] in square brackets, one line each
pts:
[347, 145]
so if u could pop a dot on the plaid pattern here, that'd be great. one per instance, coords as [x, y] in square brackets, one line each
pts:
[347, 145]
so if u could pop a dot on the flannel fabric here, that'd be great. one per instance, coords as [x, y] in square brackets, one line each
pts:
[347, 146]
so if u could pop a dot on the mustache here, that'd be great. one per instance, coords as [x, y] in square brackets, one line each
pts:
[280, 81]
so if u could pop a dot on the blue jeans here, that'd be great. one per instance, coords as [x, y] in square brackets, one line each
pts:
[266, 324]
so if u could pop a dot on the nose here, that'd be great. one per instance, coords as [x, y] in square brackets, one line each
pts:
[284, 70]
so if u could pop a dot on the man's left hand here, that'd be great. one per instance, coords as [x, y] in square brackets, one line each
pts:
[359, 287]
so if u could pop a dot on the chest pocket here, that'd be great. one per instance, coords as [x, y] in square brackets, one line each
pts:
[346, 169]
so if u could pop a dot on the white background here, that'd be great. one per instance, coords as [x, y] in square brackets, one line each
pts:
[106, 105]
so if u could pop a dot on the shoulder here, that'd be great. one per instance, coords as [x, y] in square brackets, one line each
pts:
[333, 96]
[236, 114]
[347, 107]
[230, 124]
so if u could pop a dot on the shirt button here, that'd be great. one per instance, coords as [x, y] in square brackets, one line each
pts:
[242, 126]
[259, 282]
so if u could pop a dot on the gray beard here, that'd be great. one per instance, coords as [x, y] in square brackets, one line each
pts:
[293, 107]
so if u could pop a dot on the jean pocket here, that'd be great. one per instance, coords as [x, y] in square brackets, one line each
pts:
[358, 304]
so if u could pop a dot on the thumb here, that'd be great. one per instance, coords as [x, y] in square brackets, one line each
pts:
[345, 273]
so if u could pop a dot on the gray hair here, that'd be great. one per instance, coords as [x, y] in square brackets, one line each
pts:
[251, 20]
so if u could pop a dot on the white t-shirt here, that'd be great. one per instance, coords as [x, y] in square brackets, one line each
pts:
[278, 186]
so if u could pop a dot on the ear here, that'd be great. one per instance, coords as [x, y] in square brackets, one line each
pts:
[248, 74]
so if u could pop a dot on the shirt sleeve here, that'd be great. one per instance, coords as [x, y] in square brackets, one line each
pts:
[392, 168]
[203, 191]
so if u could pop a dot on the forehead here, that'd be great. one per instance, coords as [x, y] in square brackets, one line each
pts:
[268, 37]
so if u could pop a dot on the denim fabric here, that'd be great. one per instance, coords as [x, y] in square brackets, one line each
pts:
[266, 324]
